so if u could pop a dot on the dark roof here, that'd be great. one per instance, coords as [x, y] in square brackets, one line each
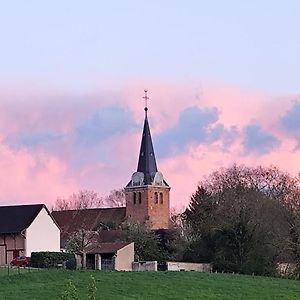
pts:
[89, 219]
[15, 219]
[147, 162]
[106, 247]
[109, 236]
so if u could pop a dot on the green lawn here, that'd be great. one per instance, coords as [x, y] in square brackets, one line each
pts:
[44, 285]
[5, 271]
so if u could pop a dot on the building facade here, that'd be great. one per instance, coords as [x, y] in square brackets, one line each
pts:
[25, 229]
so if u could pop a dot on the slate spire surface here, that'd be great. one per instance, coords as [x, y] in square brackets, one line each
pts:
[147, 161]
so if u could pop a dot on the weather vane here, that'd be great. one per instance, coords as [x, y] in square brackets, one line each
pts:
[146, 98]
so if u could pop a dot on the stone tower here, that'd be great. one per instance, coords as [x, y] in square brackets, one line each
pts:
[147, 193]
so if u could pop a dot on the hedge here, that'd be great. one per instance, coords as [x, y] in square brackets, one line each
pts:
[49, 259]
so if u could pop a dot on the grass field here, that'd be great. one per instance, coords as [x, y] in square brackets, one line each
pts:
[43, 285]
[5, 271]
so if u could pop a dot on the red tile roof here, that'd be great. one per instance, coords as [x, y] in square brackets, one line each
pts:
[109, 236]
[89, 219]
[106, 247]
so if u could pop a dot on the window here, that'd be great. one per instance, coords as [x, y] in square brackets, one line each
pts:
[161, 197]
[156, 197]
[134, 197]
[140, 197]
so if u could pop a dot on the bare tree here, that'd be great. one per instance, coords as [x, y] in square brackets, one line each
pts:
[116, 198]
[82, 200]
[78, 243]
[62, 204]
[85, 199]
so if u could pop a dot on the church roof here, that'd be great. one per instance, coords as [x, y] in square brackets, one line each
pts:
[147, 161]
[89, 219]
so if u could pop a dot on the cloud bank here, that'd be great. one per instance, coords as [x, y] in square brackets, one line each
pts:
[54, 143]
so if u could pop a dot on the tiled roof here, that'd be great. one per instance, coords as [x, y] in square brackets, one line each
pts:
[89, 219]
[106, 247]
[15, 219]
[108, 236]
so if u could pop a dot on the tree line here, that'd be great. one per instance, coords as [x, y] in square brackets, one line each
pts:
[241, 219]
[244, 220]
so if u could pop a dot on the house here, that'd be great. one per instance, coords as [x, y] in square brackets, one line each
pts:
[117, 256]
[25, 229]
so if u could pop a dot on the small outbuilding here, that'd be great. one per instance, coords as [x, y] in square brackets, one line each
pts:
[117, 256]
[25, 229]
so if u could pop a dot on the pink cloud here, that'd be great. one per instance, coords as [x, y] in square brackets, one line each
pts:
[32, 177]
[37, 174]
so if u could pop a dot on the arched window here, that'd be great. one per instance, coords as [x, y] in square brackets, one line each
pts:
[161, 197]
[134, 197]
[140, 197]
[156, 197]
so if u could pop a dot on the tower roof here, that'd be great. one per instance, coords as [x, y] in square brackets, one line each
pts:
[147, 173]
[147, 161]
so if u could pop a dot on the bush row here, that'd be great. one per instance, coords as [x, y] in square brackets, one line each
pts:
[50, 259]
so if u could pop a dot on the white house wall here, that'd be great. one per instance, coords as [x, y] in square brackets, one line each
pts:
[43, 234]
[125, 258]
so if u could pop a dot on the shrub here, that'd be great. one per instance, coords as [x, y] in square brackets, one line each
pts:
[92, 289]
[71, 264]
[49, 259]
[70, 292]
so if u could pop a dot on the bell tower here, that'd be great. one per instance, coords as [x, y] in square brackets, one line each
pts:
[147, 193]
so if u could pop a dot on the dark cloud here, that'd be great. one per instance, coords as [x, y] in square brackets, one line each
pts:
[194, 126]
[33, 139]
[259, 141]
[291, 122]
[219, 132]
[85, 142]
[103, 124]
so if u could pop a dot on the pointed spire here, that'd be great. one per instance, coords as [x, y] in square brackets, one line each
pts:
[147, 161]
[146, 98]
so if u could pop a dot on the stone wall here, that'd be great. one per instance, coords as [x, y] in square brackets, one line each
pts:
[183, 266]
[286, 269]
[144, 266]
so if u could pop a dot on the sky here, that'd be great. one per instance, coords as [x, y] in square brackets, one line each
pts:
[222, 79]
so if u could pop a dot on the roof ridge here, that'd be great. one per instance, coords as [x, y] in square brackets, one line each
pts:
[89, 209]
[20, 205]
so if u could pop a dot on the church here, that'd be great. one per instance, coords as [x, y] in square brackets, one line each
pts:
[147, 197]
[147, 193]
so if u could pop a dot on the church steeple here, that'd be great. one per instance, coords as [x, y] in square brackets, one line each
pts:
[147, 193]
[147, 161]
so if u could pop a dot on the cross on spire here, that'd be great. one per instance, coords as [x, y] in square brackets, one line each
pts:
[146, 98]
